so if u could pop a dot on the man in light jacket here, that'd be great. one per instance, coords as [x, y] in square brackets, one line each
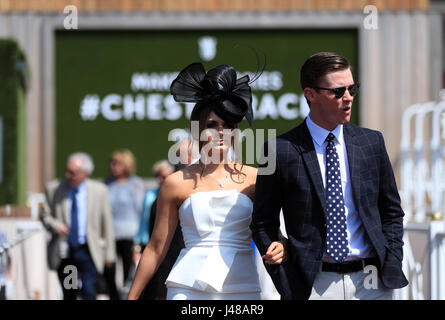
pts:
[77, 213]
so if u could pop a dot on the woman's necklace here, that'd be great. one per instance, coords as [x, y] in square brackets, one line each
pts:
[218, 182]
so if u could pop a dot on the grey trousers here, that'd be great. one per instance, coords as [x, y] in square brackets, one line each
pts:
[360, 285]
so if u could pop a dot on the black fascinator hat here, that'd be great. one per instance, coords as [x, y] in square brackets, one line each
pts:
[230, 98]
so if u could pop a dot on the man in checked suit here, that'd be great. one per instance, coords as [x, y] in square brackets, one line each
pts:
[77, 212]
[335, 185]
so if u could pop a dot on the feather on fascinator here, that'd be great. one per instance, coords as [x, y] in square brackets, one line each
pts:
[219, 86]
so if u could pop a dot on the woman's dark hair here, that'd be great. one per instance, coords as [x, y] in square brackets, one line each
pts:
[201, 113]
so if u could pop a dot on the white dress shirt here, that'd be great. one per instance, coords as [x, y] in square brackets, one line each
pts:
[358, 243]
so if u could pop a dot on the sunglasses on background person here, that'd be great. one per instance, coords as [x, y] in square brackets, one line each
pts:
[339, 92]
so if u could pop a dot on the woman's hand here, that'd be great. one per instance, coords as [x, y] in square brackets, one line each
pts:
[276, 253]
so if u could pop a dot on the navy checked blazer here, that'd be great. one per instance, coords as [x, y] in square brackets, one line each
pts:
[297, 188]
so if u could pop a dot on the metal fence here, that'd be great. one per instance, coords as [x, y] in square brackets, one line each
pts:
[424, 262]
[422, 192]
[422, 149]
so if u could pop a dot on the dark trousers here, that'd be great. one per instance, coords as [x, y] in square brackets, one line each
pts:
[3, 293]
[78, 265]
[124, 249]
[110, 279]
[156, 289]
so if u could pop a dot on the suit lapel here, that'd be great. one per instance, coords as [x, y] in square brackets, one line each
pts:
[309, 155]
[353, 150]
[62, 202]
[89, 203]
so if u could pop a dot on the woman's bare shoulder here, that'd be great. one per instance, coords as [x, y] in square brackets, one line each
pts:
[181, 182]
[183, 174]
[249, 184]
[250, 171]
[250, 168]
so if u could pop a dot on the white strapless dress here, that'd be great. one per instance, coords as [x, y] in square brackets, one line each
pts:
[217, 261]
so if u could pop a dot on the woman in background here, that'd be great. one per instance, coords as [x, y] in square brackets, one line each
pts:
[126, 192]
[161, 169]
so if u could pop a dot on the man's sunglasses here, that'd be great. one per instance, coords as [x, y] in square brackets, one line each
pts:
[339, 92]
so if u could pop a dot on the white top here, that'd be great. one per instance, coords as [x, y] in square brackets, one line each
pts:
[217, 256]
[358, 243]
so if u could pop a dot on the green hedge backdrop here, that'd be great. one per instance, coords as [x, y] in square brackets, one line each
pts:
[112, 86]
[13, 114]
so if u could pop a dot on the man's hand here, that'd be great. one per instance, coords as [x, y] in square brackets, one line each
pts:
[62, 229]
[275, 254]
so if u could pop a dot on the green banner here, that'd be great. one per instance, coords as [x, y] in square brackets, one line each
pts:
[112, 87]
[13, 78]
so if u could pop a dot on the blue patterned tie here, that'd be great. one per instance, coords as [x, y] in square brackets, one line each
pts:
[336, 241]
[73, 236]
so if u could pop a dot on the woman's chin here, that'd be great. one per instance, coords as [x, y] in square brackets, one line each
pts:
[217, 153]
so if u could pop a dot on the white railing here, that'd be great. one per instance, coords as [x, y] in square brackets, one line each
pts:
[422, 149]
[437, 260]
[425, 267]
[412, 267]
[422, 191]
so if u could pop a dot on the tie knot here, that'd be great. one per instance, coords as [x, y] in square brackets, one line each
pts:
[330, 137]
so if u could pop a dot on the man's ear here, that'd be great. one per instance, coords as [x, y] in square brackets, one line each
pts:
[309, 93]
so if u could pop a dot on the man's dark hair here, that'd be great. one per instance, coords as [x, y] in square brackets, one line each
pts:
[319, 65]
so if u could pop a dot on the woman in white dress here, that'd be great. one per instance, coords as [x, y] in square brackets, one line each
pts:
[212, 199]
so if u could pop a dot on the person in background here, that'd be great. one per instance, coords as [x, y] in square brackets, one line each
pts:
[77, 213]
[126, 195]
[4, 264]
[155, 288]
[161, 170]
